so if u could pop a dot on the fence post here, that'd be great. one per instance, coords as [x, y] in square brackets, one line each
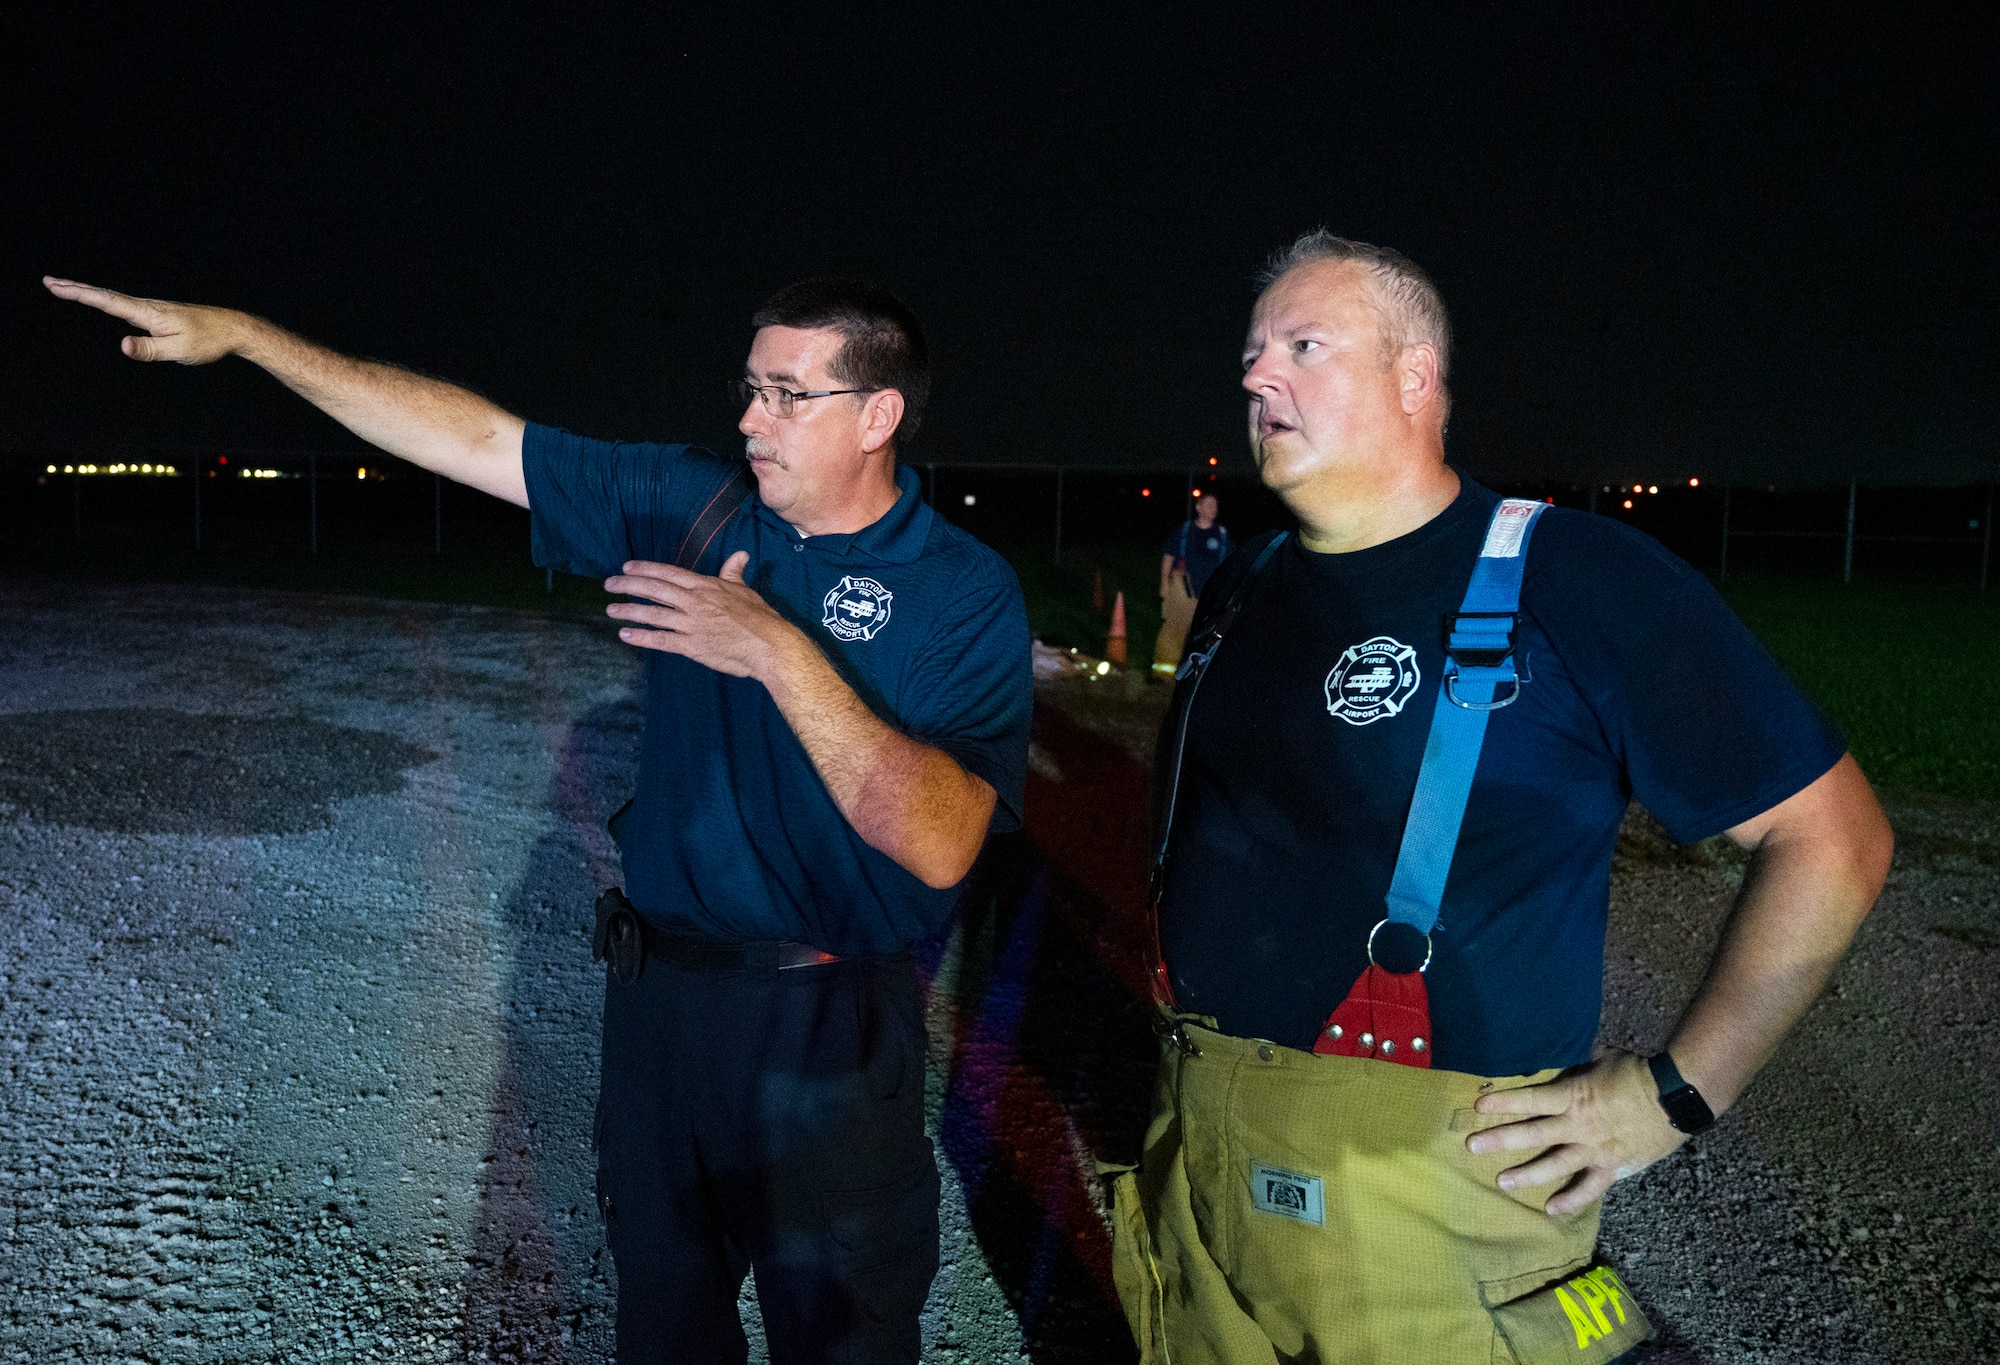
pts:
[1722, 576]
[1986, 539]
[1847, 559]
[312, 504]
[437, 516]
[1059, 510]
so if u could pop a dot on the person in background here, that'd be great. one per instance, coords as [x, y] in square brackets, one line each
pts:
[1191, 553]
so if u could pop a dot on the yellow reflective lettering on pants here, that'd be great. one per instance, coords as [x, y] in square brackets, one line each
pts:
[1614, 1290]
[1586, 1330]
[1593, 1299]
[1297, 1207]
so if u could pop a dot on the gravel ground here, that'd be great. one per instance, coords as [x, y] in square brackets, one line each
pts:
[299, 1024]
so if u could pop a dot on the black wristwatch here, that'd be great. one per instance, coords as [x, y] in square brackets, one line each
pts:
[1686, 1109]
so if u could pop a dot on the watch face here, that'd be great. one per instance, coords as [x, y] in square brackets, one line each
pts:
[1687, 1110]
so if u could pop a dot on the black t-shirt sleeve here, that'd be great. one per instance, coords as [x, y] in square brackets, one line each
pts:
[974, 687]
[595, 504]
[1707, 727]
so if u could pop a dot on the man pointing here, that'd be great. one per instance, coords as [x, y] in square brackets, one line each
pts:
[837, 701]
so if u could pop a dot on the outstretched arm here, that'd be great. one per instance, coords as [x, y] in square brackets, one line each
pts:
[425, 421]
[1818, 861]
[906, 799]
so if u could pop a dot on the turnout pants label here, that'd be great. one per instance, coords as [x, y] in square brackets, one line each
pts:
[1288, 1194]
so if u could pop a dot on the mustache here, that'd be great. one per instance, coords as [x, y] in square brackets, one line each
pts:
[756, 447]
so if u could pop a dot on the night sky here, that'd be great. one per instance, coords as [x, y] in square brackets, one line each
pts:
[1719, 245]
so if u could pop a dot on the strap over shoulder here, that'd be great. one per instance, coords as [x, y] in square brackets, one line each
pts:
[716, 509]
[1480, 677]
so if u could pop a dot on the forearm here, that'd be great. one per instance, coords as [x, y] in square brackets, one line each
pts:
[907, 800]
[438, 426]
[1801, 902]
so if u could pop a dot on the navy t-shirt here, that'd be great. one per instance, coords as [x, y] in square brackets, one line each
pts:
[1200, 553]
[1641, 683]
[732, 832]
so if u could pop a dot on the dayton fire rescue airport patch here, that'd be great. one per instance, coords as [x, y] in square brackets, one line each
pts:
[857, 608]
[1373, 679]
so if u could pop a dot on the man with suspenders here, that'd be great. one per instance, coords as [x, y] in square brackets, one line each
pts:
[1403, 741]
[836, 711]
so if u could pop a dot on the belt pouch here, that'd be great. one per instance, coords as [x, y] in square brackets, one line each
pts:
[618, 938]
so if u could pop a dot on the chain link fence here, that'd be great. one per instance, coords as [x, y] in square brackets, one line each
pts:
[228, 501]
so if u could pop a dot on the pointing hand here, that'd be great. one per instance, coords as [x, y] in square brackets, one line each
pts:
[189, 333]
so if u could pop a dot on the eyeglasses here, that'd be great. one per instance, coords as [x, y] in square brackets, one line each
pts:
[781, 402]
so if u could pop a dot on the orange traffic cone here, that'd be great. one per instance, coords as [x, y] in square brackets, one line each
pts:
[1114, 648]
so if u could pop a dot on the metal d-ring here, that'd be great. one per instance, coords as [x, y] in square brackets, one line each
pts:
[1451, 693]
[1378, 929]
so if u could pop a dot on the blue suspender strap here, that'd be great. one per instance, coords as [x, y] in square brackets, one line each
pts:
[1479, 678]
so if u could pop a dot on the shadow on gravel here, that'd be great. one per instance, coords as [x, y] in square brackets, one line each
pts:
[129, 770]
[536, 1269]
[1053, 1052]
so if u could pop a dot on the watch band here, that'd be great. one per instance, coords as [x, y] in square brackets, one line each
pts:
[1686, 1109]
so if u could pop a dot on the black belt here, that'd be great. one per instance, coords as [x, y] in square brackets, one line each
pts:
[626, 940]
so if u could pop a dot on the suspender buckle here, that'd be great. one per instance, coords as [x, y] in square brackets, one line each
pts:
[1480, 639]
[1481, 642]
[1174, 1033]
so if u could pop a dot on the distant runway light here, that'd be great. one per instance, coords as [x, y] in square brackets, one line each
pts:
[970, 499]
[1145, 492]
[1102, 669]
[1638, 488]
[1694, 483]
[1654, 488]
[1628, 504]
[361, 473]
[52, 469]
[1211, 459]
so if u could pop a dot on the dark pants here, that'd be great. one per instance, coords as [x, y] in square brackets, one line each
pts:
[772, 1119]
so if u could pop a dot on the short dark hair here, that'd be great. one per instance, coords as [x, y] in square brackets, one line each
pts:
[882, 346]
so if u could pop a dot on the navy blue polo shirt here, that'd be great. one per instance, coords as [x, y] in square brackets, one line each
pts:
[731, 831]
[1198, 553]
[1295, 786]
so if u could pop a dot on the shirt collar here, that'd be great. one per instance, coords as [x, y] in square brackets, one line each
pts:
[897, 537]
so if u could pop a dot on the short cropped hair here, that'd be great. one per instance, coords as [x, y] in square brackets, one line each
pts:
[882, 343]
[1412, 309]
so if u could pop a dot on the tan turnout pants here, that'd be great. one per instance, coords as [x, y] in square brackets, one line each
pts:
[1297, 1208]
[1176, 615]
